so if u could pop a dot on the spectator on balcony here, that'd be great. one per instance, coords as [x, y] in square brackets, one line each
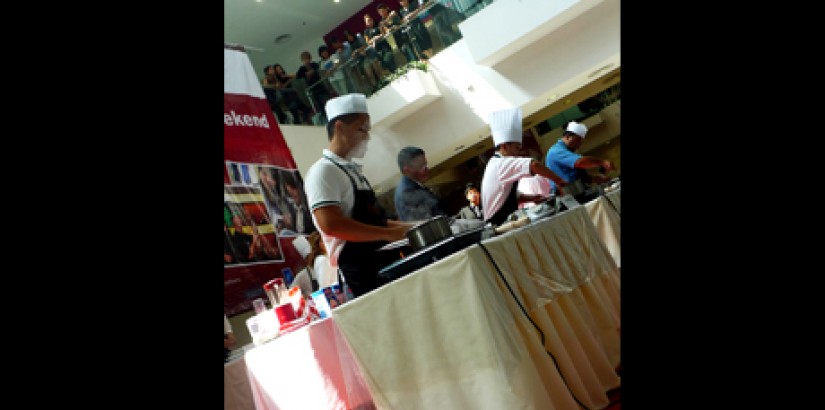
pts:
[286, 80]
[331, 69]
[383, 50]
[391, 26]
[278, 93]
[366, 60]
[445, 21]
[347, 64]
[416, 30]
[268, 84]
[310, 72]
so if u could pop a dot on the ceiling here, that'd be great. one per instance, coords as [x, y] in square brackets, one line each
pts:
[256, 23]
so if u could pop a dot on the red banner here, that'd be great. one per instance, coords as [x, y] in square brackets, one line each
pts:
[264, 200]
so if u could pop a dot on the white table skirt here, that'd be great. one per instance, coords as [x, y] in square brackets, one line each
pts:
[451, 336]
[603, 211]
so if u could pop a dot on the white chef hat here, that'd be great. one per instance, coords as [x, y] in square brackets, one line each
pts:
[505, 125]
[346, 104]
[576, 128]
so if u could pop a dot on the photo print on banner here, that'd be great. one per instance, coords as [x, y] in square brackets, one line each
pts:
[249, 235]
[283, 193]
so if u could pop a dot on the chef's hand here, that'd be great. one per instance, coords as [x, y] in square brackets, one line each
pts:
[600, 179]
[608, 166]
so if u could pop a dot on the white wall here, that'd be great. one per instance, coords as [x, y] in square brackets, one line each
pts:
[506, 26]
[306, 144]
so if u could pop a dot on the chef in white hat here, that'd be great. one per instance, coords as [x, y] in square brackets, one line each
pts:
[352, 223]
[572, 167]
[499, 194]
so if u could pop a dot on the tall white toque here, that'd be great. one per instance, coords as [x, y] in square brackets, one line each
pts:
[505, 125]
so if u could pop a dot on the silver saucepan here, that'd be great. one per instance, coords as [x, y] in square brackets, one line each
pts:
[429, 232]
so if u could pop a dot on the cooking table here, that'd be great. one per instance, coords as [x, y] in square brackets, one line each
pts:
[465, 332]
[309, 368]
[605, 212]
[451, 335]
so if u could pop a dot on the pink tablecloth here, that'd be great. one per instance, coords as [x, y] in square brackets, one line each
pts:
[310, 368]
[236, 392]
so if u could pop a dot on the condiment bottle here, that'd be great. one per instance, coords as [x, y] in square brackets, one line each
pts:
[272, 292]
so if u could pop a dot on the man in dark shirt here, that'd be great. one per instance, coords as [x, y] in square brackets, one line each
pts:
[391, 23]
[375, 40]
[309, 71]
[413, 200]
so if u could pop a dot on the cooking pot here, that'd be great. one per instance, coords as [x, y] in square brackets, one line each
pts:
[429, 232]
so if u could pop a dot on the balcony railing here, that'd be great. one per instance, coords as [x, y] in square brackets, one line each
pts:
[367, 68]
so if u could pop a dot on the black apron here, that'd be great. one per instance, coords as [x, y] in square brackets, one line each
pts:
[510, 204]
[359, 261]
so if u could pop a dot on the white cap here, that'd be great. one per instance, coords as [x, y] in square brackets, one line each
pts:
[301, 245]
[505, 125]
[577, 128]
[346, 104]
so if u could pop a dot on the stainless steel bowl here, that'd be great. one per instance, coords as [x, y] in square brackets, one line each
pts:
[429, 232]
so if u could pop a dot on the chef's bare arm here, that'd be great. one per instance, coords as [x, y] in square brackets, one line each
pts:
[593, 162]
[333, 222]
[392, 222]
[594, 167]
[537, 168]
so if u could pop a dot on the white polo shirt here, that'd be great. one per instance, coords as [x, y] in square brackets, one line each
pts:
[327, 185]
[499, 176]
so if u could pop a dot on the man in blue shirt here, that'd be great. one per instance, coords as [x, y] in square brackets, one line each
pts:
[566, 163]
[413, 200]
